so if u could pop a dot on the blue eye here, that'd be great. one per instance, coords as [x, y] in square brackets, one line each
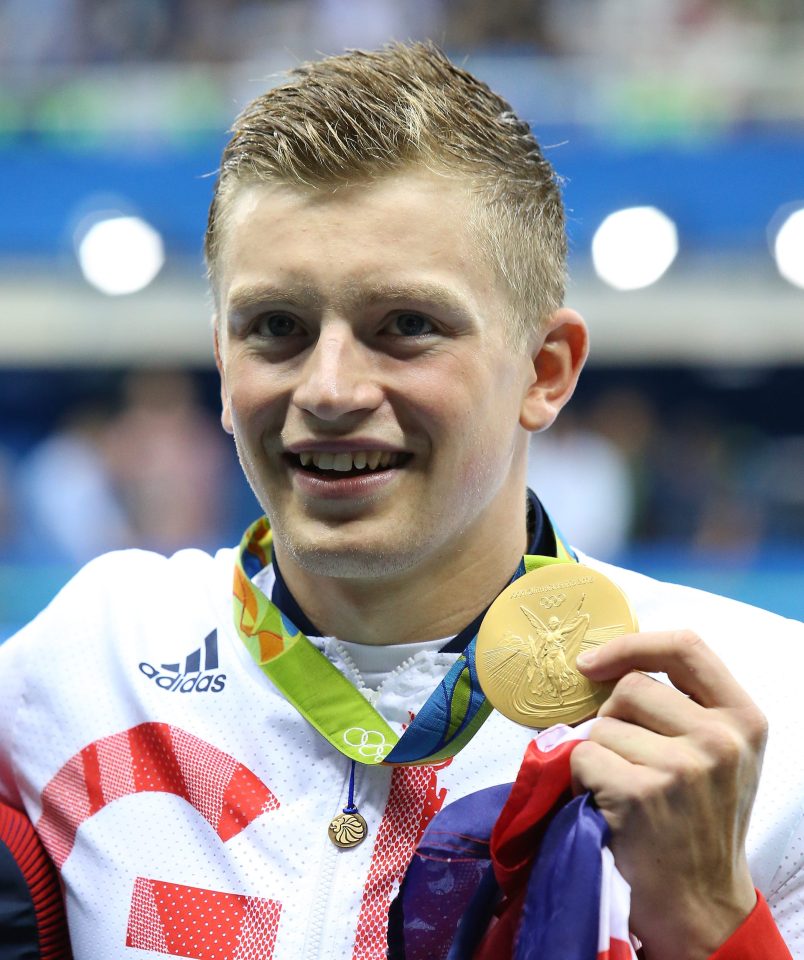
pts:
[412, 325]
[276, 325]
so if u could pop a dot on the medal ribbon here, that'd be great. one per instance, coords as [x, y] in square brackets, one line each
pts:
[449, 719]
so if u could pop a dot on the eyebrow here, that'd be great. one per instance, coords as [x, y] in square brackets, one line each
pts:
[247, 297]
[420, 292]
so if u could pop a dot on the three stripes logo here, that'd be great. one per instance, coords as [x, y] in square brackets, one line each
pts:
[197, 674]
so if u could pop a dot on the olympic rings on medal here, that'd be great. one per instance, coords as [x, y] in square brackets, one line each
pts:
[368, 743]
[555, 600]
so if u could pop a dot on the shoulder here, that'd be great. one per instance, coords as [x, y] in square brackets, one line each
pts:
[128, 571]
[764, 652]
[123, 587]
[120, 609]
[134, 569]
[719, 620]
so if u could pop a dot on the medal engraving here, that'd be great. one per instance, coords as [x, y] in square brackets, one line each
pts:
[347, 830]
[531, 637]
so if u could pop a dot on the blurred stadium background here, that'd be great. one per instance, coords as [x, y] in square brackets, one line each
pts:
[678, 126]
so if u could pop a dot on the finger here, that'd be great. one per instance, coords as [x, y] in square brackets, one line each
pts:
[604, 773]
[635, 744]
[691, 666]
[646, 702]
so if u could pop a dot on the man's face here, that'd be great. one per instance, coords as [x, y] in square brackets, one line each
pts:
[366, 373]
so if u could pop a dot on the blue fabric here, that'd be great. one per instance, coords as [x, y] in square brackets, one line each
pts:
[476, 917]
[561, 914]
[449, 885]
[449, 894]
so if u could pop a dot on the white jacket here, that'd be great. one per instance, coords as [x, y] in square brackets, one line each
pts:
[187, 803]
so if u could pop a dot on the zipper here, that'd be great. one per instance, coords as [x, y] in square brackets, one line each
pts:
[322, 900]
[357, 677]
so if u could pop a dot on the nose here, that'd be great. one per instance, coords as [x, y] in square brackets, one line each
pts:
[338, 376]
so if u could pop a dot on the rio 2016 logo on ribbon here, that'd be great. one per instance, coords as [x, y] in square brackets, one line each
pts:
[368, 743]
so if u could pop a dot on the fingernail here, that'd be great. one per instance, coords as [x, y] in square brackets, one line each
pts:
[586, 659]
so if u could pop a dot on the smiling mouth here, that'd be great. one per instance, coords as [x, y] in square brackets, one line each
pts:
[341, 465]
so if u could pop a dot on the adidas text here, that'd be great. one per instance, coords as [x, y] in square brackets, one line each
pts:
[198, 683]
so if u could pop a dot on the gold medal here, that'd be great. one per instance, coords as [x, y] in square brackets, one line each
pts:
[531, 637]
[347, 829]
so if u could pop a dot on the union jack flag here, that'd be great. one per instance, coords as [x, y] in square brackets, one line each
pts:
[521, 870]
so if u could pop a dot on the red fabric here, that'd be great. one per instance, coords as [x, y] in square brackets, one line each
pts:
[17, 833]
[413, 800]
[618, 950]
[150, 757]
[201, 924]
[540, 786]
[757, 938]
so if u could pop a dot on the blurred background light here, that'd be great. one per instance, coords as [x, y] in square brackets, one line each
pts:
[633, 248]
[120, 255]
[788, 248]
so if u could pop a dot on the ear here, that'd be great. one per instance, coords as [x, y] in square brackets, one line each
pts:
[226, 411]
[558, 358]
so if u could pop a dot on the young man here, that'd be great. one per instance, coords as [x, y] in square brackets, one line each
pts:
[386, 250]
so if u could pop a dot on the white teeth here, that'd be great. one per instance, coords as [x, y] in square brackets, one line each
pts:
[324, 461]
[343, 462]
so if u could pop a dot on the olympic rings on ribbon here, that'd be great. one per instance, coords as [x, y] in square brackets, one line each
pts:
[368, 743]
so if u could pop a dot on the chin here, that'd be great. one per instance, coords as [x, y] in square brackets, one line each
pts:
[349, 561]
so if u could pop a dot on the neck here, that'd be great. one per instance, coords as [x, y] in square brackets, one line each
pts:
[433, 599]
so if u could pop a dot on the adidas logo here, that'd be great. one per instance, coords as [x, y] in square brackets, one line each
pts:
[190, 677]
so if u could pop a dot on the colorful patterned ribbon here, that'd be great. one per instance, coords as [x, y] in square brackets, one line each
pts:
[448, 720]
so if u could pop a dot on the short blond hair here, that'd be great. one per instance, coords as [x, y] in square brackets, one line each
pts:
[364, 115]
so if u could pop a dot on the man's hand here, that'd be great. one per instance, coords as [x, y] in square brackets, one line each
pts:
[674, 772]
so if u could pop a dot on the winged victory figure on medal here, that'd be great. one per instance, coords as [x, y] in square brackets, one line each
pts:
[540, 668]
